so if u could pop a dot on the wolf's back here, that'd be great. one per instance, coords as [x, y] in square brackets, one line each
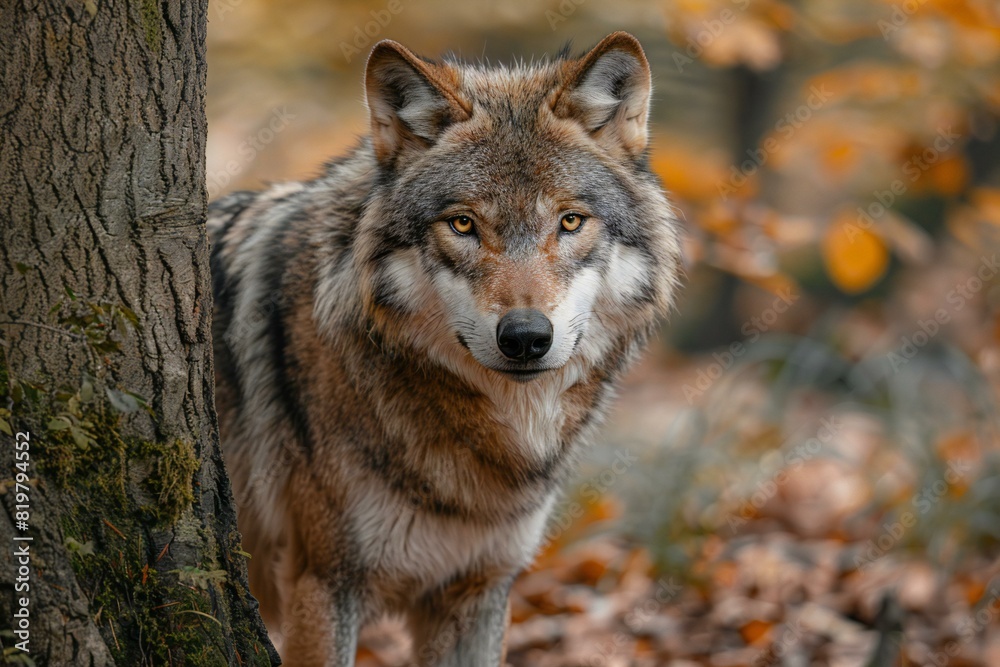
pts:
[270, 261]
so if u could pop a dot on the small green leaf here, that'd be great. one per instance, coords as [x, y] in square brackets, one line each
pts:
[121, 327]
[87, 390]
[22, 268]
[122, 401]
[90, 6]
[139, 398]
[71, 294]
[30, 391]
[130, 315]
[59, 424]
[83, 549]
[5, 427]
[80, 437]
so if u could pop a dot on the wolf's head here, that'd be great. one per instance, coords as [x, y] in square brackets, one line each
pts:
[514, 225]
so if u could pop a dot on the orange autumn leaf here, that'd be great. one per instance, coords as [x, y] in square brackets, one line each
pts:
[520, 609]
[365, 654]
[958, 446]
[840, 158]
[987, 203]
[949, 176]
[855, 257]
[963, 13]
[719, 219]
[974, 590]
[695, 174]
[755, 631]
[775, 283]
[570, 525]
[644, 647]
[640, 563]
[590, 570]
[725, 574]
[606, 509]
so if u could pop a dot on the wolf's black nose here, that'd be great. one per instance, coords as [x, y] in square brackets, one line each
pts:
[524, 334]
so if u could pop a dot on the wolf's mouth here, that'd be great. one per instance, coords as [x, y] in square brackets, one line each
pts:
[523, 374]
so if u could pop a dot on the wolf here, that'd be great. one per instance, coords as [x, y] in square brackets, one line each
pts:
[411, 348]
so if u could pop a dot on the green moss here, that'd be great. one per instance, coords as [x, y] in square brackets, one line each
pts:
[101, 466]
[116, 492]
[149, 11]
[147, 617]
[173, 467]
[92, 458]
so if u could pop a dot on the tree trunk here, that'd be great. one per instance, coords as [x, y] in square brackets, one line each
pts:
[105, 346]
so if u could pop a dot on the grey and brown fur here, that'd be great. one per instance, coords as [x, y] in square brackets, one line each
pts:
[386, 457]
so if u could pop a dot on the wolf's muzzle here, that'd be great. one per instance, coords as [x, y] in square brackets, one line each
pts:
[524, 334]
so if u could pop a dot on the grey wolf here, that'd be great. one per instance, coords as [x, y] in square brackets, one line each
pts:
[412, 347]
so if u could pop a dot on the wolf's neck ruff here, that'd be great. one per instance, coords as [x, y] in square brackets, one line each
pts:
[411, 348]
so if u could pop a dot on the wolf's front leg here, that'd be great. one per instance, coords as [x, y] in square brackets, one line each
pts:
[463, 625]
[320, 624]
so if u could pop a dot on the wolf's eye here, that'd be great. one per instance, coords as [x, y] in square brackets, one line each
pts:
[572, 222]
[461, 224]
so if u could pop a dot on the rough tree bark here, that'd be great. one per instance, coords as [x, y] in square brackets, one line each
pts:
[105, 293]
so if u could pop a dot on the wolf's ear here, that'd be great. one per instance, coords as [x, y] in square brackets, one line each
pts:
[607, 91]
[411, 101]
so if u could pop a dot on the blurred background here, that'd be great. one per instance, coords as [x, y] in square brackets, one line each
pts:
[805, 467]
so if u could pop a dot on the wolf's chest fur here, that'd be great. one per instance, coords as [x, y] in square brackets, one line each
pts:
[409, 550]
[411, 347]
